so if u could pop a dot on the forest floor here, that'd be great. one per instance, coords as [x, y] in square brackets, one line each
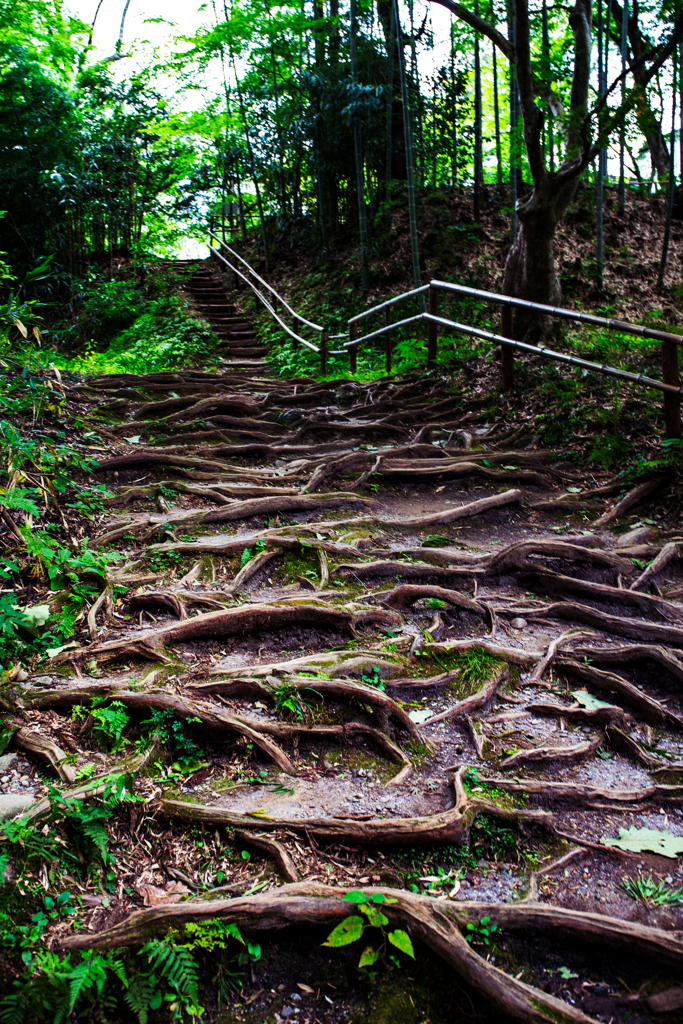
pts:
[352, 638]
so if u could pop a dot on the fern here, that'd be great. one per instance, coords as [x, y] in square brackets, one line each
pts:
[176, 965]
[142, 996]
[13, 1008]
[15, 497]
[92, 971]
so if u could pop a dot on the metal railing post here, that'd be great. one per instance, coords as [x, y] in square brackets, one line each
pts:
[387, 321]
[353, 349]
[672, 403]
[507, 352]
[323, 350]
[432, 328]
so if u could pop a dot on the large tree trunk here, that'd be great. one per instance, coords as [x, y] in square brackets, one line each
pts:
[530, 267]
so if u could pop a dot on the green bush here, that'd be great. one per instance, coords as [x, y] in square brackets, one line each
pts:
[165, 336]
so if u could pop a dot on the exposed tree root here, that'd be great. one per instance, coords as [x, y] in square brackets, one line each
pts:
[439, 926]
[445, 827]
[553, 582]
[407, 594]
[147, 525]
[628, 501]
[569, 753]
[34, 743]
[668, 552]
[576, 713]
[476, 701]
[474, 508]
[276, 851]
[515, 556]
[633, 653]
[337, 689]
[405, 570]
[634, 629]
[650, 708]
[578, 794]
[212, 720]
[233, 622]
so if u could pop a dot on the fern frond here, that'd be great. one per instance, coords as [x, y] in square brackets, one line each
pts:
[13, 1008]
[176, 965]
[139, 995]
[15, 497]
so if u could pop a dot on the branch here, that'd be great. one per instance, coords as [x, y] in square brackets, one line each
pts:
[479, 25]
[589, 152]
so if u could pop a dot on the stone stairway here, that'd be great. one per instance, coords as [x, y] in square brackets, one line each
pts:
[240, 346]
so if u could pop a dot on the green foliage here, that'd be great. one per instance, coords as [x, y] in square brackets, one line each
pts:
[481, 931]
[288, 701]
[165, 336]
[17, 498]
[170, 729]
[110, 721]
[475, 667]
[353, 928]
[647, 890]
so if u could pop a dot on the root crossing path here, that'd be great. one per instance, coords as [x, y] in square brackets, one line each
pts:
[382, 648]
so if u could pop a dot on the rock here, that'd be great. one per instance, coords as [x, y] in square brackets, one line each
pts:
[482, 863]
[6, 760]
[12, 804]
[287, 1011]
[42, 680]
[519, 623]
[637, 536]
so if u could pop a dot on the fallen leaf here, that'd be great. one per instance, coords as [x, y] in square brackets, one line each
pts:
[638, 840]
[420, 716]
[305, 988]
[153, 895]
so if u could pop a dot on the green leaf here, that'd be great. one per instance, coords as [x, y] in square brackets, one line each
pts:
[588, 701]
[401, 940]
[355, 897]
[6, 734]
[346, 932]
[369, 956]
[638, 840]
[375, 917]
[565, 973]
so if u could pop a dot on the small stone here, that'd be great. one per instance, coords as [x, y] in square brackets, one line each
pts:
[287, 1011]
[482, 863]
[519, 623]
[669, 880]
[295, 997]
[12, 804]
[6, 760]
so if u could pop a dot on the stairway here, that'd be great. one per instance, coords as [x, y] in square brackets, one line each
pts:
[240, 347]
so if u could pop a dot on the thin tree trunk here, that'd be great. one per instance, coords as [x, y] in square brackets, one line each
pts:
[478, 162]
[389, 115]
[602, 59]
[358, 152]
[624, 41]
[252, 162]
[496, 113]
[513, 135]
[410, 158]
[671, 186]
[454, 161]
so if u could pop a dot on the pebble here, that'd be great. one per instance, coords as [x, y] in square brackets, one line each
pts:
[287, 1011]
[6, 760]
[518, 623]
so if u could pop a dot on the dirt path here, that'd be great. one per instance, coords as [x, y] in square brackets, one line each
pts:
[380, 645]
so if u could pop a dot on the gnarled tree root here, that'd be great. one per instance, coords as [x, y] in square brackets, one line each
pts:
[233, 622]
[212, 720]
[337, 689]
[439, 926]
[408, 593]
[476, 701]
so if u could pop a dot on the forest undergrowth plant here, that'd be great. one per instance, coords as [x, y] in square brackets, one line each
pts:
[109, 721]
[651, 891]
[353, 928]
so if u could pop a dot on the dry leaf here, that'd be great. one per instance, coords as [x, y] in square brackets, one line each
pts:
[152, 895]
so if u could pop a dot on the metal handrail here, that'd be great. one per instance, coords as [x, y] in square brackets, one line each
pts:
[384, 330]
[549, 353]
[297, 337]
[558, 311]
[297, 316]
[389, 302]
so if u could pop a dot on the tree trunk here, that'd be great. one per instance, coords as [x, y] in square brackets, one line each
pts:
[530, 267]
